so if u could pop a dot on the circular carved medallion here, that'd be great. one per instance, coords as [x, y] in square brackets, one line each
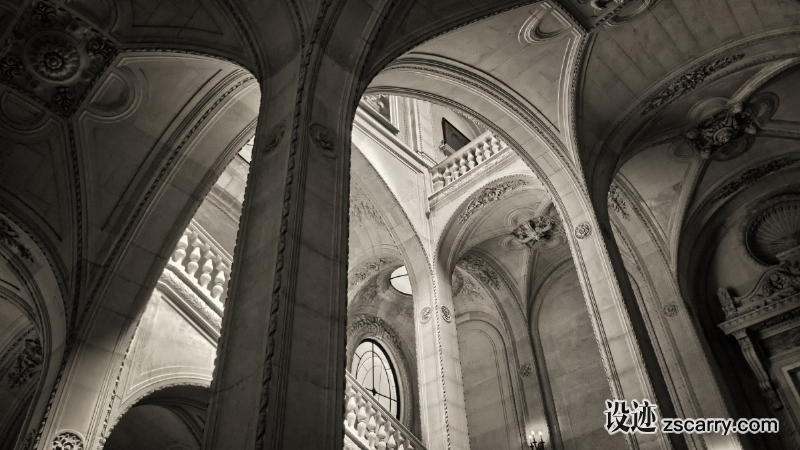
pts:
[582, 230]
[425, 314]
[446, 314]
[671, 310]
[53, 56]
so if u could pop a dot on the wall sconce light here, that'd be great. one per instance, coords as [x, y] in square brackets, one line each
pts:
[533, 444]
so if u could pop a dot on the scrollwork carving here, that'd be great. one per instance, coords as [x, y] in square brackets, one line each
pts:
[687, 82]
[11, 239]
[28, 363]
[489, 195]
[751, 176]
[481, 269]
[616, 201]
[367, 269]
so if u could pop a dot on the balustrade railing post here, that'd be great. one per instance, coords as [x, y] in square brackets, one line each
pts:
[464, 160]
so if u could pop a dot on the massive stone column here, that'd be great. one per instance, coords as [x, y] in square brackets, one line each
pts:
[279, 381]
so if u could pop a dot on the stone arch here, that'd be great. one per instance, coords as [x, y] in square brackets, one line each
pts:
[153, 210]
[171, 394]
[31, 287]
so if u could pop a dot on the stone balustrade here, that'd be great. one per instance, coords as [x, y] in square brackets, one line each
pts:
[370, 425]
[203, 265]
[455, 166]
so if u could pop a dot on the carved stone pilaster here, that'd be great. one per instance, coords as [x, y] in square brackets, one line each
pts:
[752, 353]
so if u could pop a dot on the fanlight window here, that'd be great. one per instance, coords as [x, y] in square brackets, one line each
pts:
[373, 370]
[400, 281]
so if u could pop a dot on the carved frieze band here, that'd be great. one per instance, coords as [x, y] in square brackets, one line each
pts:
[687, 82]
[368, 269]
[751, 176]
[490, 195]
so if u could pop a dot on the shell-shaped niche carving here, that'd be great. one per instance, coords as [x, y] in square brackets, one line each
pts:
[772, 230]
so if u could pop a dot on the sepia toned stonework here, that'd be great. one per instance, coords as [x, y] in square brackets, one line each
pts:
[245, 225]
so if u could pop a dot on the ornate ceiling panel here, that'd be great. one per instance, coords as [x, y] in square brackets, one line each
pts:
[54, 57]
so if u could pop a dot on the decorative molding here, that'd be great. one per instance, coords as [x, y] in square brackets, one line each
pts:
[489, 195]
[751, 176]
[725, 135]
[583, 230]
[446, 314]
[28, 363]
[68, 440]
[616, 201]
[324, 139]
[687, 82]
[273, 138]
[367, 269]
[11, 239]
[671, 310]
[481, 269]
[425, 314]
[777, 284]
[55, 57]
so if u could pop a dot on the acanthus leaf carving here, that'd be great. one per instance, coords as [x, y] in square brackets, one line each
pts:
[11, 238]
[481, 269]
[616, 201]
[367, 269]
[27, 364]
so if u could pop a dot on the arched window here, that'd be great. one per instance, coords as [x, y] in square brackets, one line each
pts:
[373, 370]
